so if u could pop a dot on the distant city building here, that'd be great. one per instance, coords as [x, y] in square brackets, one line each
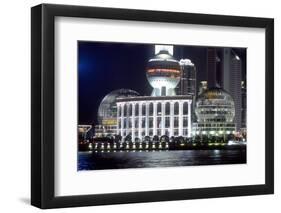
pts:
[203, 86]
[213, 67]
[215, 113]
[232, 77]
[224, 69]
[244, 105]
[187, 85]
[107, 112]
[83, 131]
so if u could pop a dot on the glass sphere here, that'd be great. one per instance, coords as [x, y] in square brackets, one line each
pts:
[215, 105]
[107, 112]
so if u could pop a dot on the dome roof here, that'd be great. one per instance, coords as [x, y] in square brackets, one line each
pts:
[163, 60]
[215, 104]
[107, 111]
[214, 93]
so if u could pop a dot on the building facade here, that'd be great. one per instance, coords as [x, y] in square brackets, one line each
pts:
[215, 111]
[232, 77]
[139, 117]
[244, 105]
[213, 67]
[163, 73]
[224, 69]
[107, 112]
[187, 84]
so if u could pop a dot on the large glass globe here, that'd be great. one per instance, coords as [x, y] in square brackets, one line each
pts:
[107, 112]
[215, 105]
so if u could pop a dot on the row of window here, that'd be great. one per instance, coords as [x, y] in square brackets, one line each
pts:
[148, 109]
[216, 125]
[211, 112]
[217, 129]
[142, 122]
[158, 132]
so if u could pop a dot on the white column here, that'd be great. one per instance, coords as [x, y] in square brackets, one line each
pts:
[122, 119]
[127, 119]
[171, 119]
[163, 113]
[140, 120]
[118, 117]
[133, 122]
[189, 119]
[154, 118]
[180, 118]
[146, 118]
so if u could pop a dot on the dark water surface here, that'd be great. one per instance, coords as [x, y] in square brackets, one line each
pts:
[121, 160]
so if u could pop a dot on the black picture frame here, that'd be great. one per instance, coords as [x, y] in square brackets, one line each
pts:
[43, 110]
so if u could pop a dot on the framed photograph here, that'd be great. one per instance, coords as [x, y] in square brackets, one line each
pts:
[139, 106]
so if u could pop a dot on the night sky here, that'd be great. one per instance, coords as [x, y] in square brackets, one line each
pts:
[104, 67]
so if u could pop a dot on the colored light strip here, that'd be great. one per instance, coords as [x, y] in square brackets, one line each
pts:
[163, 70]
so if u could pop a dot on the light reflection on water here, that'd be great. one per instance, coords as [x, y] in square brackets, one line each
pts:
[121, 160]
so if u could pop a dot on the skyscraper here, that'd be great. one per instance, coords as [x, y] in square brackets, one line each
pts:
[224, 69]
[213, 66]
[243, 105]
[187, 85]
[231, 81]
[203, 86]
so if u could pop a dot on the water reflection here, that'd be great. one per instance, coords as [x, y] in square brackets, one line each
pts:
[121, 160]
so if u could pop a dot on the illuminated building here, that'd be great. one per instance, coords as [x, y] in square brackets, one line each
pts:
[203, 86]
[163, 73]
[187, 85]
[243, 105]
[213, 67]
[232, 77]
[163, 113]
[224, 69]
[82, 132]
[154, 116]
[215, 113]
[107, 112]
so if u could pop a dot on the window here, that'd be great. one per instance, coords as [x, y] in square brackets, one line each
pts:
[176, 122]
[176, 132]
[130, 122]
[159, 109]
[143, 109]
[130, 110]
[150, 109]
[167, 122]
[150, 125]
[136, 123]
[185, 108]
[159, 122]
[125, 110]
[185, 122]
[176, 108]
[119, 110]
[125, 123]
[143, 122]
[137, 110]
[167, 108]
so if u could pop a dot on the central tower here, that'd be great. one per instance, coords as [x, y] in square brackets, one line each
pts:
[163, 71]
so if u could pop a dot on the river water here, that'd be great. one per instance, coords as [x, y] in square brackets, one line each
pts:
[122, 160]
